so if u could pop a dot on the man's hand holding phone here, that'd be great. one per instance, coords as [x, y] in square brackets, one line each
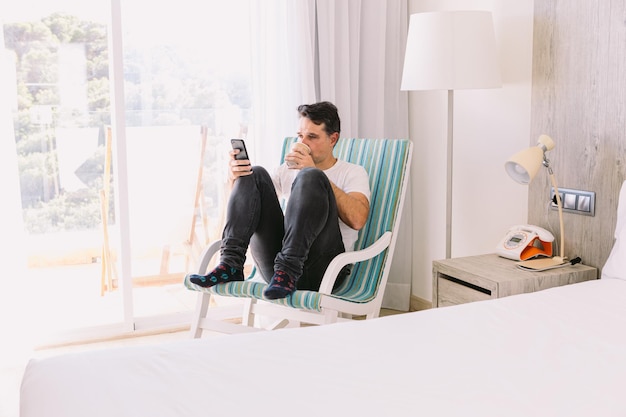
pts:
[240, 162]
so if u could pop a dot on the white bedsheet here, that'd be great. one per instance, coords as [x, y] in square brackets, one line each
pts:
[558, 352]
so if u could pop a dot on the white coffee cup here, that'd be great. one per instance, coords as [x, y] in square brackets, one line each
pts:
[298, 147]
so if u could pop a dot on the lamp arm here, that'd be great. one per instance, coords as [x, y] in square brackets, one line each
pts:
[559, 204]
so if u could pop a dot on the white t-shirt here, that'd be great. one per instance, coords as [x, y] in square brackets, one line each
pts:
[345, 175]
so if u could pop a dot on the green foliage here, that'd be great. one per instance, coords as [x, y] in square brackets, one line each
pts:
[66, 29]
[164, 85]
[38, 66]
[31, 144]
[79, 210]
[98, 94]
[36, 47]
[35, 182]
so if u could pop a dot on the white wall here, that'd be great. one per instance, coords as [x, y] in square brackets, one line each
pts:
[489, 126]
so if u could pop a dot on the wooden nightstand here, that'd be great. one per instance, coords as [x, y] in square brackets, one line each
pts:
[482, 277]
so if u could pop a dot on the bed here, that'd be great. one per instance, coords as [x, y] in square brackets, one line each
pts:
[557, 352]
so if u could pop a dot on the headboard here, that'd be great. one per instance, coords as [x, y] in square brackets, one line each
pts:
[579, 99]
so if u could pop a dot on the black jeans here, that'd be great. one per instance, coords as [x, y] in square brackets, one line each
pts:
[302, 242]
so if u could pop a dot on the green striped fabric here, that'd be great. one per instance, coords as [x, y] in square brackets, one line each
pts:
[384, 160]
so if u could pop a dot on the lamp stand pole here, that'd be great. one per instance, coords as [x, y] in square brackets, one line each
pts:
[449, 175]
[559, 204]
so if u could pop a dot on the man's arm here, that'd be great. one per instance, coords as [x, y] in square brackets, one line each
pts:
[353, 208]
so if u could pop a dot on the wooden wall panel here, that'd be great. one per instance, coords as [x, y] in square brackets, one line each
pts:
[579, 99]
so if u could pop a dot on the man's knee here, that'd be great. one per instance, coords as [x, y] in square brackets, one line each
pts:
[244, 184]
[259, 171]
[311, 177]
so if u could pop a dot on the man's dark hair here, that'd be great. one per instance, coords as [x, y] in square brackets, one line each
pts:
[322, 112]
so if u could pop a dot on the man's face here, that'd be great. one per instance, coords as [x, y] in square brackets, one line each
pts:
[317, 139]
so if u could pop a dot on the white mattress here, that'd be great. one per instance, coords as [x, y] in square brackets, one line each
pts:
[559, 352]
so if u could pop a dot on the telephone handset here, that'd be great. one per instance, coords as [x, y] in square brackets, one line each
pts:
[526, 241]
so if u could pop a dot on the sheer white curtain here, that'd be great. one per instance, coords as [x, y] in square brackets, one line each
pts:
[361, 52]
[12, 240]
[348, 52]
[283, 54]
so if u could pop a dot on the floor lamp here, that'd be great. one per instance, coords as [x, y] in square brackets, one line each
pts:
[450, 50]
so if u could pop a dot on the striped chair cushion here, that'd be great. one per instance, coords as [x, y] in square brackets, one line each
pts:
[384, 160]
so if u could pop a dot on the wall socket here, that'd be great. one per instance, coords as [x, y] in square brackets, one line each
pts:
[575, 201]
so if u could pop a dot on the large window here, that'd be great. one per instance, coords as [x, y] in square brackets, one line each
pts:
[83, 172]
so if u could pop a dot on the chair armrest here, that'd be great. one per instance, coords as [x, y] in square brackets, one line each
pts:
[346, 258]
[207, 255]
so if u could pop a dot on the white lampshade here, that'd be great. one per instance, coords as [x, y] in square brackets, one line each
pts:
[524, 165]
[450, 50]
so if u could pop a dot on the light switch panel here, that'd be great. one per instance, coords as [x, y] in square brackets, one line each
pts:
[575, 201]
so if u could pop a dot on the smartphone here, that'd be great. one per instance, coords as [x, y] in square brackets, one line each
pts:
[241, 145]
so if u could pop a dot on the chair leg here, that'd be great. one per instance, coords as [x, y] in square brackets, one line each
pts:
[372, 315]
[331, 316]
[280, 324]
[247, 316]
[202, 306]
